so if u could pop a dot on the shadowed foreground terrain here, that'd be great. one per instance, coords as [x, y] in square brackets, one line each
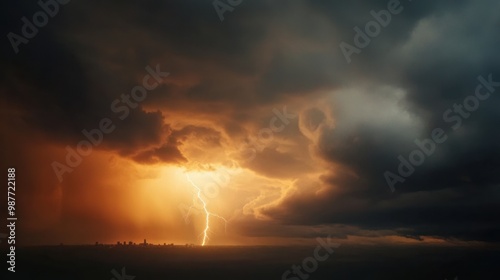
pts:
[256, 263]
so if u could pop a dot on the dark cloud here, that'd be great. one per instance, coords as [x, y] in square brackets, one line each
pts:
[436, 61]
[267, 54]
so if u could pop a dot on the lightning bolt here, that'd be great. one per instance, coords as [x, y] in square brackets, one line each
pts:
[207, 213]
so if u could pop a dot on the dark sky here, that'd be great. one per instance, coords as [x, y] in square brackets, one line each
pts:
[323, 174]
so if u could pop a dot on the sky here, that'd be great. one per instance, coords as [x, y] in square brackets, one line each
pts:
[255, 118]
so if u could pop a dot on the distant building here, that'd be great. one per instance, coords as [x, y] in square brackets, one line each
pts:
[145, 243]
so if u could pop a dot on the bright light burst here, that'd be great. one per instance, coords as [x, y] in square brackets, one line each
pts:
[207, 213]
